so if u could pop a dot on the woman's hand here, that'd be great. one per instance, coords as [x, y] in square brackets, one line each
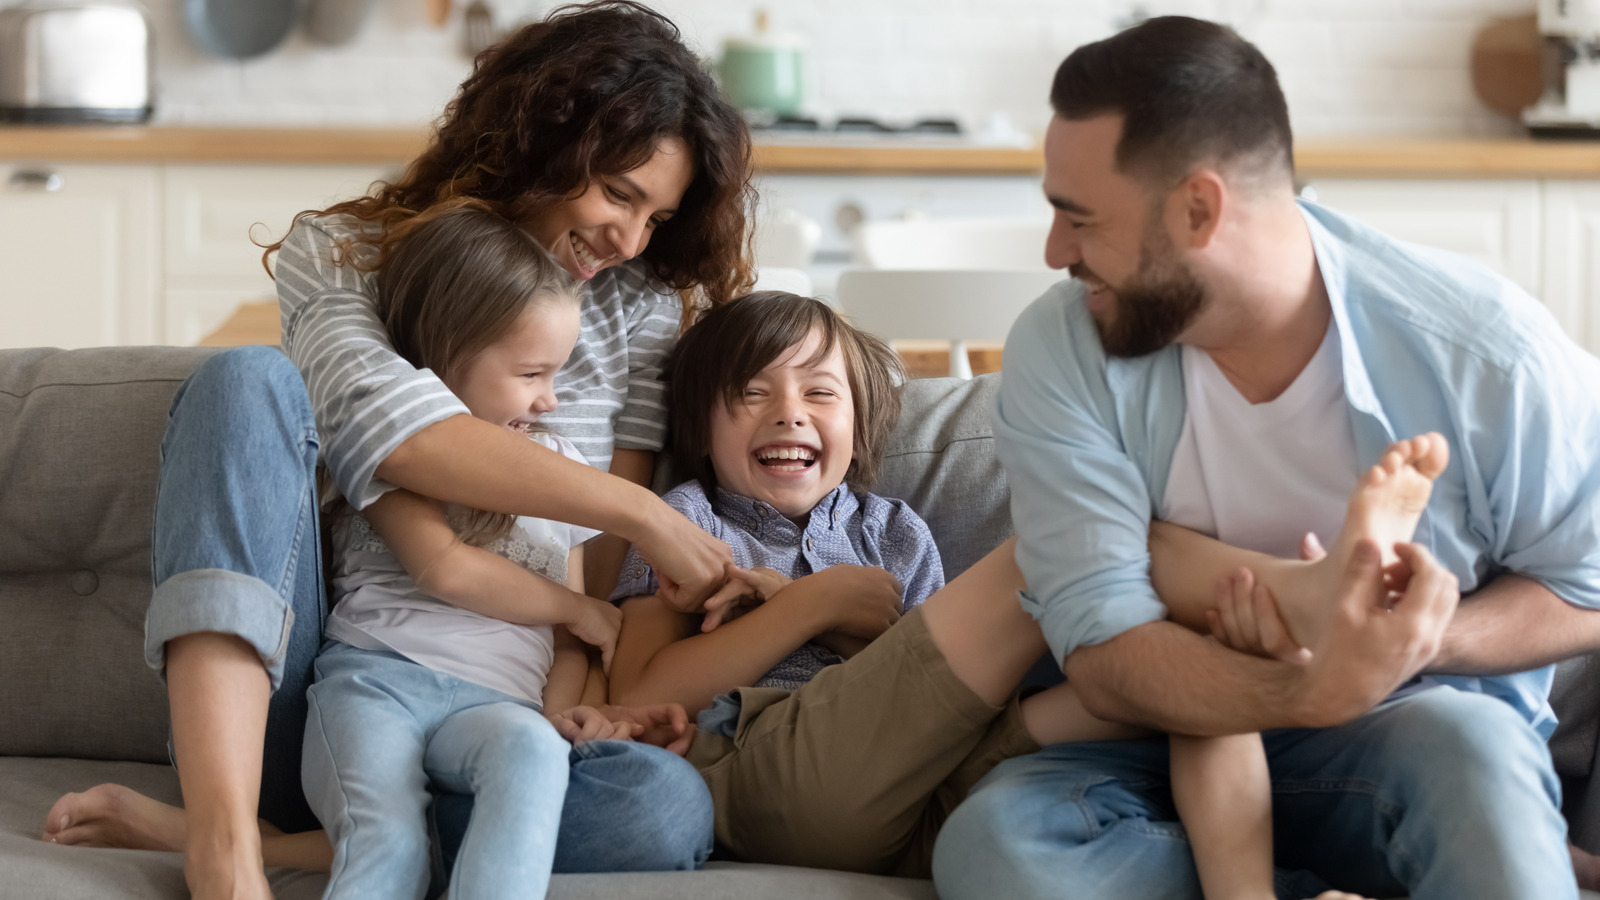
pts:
[596, 623]
[689, 563]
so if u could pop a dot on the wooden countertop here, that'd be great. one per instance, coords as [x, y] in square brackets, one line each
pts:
[1350, 157]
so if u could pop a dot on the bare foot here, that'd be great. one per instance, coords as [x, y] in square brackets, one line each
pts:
[1384, 510]
[1587, 867]
[1389, 499]
[110, 815]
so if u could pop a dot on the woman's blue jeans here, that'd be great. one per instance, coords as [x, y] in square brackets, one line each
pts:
[237, 550]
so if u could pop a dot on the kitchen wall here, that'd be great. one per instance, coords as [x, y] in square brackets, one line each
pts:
[1349, 67]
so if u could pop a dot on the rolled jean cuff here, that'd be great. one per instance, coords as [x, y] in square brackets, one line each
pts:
[218, 600]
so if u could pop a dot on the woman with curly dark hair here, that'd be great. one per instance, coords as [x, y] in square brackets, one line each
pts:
[603, 137]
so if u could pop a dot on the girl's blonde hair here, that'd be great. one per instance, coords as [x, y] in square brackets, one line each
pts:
[455, 282]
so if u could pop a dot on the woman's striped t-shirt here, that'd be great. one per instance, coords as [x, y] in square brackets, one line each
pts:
[368, 400]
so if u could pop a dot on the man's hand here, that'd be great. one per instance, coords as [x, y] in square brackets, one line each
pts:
[662, 724]
[1372, 646]
[689, 563]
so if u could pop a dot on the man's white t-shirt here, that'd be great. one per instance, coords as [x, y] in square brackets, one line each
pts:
[1259, 476]
[379, 607]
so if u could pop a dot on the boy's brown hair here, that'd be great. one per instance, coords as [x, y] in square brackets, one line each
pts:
[733, 342]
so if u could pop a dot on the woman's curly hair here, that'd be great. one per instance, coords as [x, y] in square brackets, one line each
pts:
[590, 91]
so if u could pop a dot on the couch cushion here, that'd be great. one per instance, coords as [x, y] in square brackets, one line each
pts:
[35, 870]
[941, 461]
[80, 433]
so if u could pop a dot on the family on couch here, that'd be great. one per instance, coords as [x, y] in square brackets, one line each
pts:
[1231, 380]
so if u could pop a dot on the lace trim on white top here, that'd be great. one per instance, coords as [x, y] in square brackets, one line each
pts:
[515, 546]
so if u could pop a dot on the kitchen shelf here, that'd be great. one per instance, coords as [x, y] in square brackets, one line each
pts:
[1346, 157]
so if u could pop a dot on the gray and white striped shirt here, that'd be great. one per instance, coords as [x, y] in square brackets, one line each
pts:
[368, 400]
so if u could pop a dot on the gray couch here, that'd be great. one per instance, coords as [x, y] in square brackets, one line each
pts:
[79, 432]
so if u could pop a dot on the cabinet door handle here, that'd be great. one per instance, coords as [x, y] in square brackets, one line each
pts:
[36, 180]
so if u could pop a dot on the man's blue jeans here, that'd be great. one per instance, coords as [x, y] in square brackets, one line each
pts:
[1443, 794]
[237, 550]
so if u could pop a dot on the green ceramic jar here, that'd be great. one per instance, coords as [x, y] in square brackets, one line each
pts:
[764, 72]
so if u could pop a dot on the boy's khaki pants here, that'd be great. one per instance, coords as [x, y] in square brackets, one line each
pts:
[858, 768]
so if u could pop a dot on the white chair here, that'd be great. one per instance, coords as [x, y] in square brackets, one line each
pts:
[785, 238]
[947, 305]
[775, 278]
[953, 243]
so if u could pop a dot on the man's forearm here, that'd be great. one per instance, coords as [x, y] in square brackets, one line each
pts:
[1165, 677]
[1513, 624]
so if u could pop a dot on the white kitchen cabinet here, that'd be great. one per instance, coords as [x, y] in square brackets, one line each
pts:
[80, 261]
[212, 214]
[1572, 258]
[1494, 222]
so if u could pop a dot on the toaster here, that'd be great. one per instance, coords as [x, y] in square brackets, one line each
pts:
[83, 61]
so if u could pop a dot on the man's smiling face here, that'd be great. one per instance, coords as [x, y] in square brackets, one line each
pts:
[1108, 233]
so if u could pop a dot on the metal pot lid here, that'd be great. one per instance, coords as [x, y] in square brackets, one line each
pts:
[235, 30]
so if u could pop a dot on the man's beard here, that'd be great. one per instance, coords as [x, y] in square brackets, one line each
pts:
[1156, 305]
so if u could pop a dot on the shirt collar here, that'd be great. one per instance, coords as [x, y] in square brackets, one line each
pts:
[1334, 267]
[753, 515]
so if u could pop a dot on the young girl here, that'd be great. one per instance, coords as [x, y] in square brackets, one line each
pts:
[781, 413]
[442, 666]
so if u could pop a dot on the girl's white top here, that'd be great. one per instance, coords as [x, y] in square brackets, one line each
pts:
[377, 606]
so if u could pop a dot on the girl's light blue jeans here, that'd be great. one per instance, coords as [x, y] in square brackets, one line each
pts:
[382, 731]
[1441, 794]
[237, 551]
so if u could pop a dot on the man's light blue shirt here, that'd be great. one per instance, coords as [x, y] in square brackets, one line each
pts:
[1430, 342]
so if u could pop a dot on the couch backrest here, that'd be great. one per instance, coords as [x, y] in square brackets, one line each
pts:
[80, 433]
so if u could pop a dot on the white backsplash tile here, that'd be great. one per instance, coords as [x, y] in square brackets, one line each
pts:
[1348, 66]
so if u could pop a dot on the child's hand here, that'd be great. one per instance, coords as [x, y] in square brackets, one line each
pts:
[582, 724]
[597, 624]
[755, 584]
[1246, 619]
[662, 724]
[862, 601]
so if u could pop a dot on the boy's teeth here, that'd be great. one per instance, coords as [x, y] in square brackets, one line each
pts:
[787, 453]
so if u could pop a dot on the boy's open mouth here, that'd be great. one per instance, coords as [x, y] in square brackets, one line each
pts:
[788, 458]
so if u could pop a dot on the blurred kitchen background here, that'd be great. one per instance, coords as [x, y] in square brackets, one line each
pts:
[1365, 67]
[895, 136]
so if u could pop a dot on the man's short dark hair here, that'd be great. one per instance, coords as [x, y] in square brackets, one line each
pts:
[1191, 93]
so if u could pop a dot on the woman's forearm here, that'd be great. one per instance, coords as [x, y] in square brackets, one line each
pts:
[468, 461]
[474, 463]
